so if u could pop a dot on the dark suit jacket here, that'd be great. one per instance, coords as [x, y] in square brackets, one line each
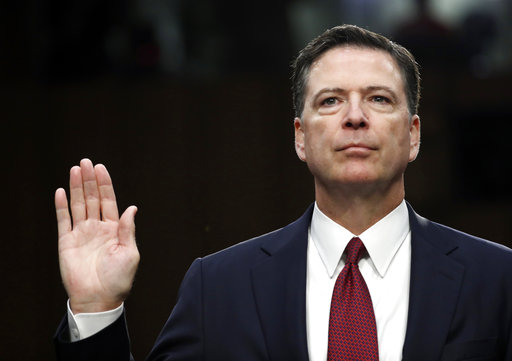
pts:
[248, 302]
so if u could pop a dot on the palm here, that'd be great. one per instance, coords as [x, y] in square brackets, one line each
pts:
[91, 259]
[98, 255]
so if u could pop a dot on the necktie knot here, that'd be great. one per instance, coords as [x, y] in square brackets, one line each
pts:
[355, 250]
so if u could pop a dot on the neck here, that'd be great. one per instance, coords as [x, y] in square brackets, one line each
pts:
[356, 210]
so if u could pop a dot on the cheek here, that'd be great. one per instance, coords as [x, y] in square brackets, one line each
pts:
[398, 146]
[401, 136]
[318, 143]
[316, 135]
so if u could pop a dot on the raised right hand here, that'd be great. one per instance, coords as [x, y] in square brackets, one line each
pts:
[98, 254]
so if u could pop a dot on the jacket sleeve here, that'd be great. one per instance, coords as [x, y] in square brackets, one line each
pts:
[110, 344]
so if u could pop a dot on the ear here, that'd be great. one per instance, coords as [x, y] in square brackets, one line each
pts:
[414, 136]
[299, 139]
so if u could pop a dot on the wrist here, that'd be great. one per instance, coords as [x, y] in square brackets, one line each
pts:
[93, 307]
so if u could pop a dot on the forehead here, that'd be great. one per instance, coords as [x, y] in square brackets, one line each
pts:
[352, 66]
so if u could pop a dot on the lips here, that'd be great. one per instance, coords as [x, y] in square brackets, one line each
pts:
[356, 146]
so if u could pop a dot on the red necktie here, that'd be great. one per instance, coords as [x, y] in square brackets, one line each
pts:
[352, 329]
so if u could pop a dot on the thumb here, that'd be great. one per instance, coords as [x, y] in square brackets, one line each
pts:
[127, 226]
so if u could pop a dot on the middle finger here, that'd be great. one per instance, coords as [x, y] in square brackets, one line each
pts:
[91, 193]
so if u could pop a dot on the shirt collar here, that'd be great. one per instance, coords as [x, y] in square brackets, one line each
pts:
[382, 240]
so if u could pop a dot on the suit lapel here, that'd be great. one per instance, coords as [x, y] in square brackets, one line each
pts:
[434, 290]
[279, 284]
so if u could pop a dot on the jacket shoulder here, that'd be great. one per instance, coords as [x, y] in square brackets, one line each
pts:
[258, 248]
[461, 245]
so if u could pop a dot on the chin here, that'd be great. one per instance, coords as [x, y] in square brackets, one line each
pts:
[353, 180]
[356, 175]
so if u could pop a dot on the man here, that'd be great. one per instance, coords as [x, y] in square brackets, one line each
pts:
[427, 292]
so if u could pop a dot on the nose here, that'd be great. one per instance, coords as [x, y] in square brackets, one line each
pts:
[355, 116]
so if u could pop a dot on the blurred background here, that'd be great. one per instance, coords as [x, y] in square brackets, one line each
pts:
[188, 105]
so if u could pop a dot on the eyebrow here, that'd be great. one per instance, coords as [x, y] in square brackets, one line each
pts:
[326, 90]
[385, 88]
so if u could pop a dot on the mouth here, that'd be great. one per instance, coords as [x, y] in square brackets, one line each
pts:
[356, 147]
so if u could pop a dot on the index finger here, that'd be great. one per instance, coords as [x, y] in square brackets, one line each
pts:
[108, 203]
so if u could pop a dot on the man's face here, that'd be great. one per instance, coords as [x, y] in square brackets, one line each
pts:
[355, 128]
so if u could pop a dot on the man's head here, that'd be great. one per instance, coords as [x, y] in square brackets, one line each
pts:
[350, 35]
[358, 128]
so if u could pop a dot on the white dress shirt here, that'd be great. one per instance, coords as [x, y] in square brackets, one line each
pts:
[386, 272]
[83, 325]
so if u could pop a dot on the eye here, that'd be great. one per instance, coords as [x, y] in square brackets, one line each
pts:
[380, 99]
[329, 101]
